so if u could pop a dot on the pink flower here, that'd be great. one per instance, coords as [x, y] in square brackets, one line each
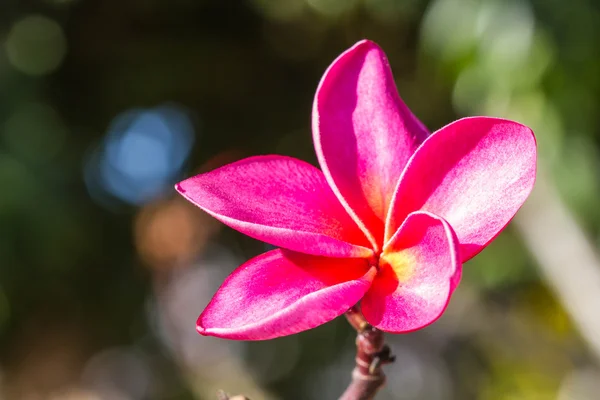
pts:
[388, 221]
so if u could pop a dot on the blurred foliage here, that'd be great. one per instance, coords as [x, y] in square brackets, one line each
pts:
[105, 104]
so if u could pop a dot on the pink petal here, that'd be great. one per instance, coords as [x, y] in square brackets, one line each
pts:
[363, 133]
[279, 200]
[475, 173]
[282, 292]
[419, 270]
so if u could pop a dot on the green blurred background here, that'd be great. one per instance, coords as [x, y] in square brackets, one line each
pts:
[104, 270]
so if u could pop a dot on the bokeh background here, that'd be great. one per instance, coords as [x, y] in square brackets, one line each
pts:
[104, 269]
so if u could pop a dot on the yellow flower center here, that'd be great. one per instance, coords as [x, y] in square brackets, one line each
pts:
[401, 263]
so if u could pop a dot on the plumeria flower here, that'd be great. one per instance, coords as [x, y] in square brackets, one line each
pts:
[387, 221]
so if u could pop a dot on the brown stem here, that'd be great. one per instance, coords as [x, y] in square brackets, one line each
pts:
[371, 354]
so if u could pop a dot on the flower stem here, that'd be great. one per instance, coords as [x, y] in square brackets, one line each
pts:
[371, 355]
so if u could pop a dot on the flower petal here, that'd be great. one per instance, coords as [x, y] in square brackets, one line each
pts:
[363, 133]
[475, 173]
[419, 269]
[282, 292]
[279, 200]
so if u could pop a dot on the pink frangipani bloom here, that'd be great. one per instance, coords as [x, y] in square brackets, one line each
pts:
[387, 221]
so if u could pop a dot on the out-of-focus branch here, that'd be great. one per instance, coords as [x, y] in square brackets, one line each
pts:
[371, 355]
[567, 259]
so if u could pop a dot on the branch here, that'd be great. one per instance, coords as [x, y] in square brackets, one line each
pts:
[371, 355]
[556, 240]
